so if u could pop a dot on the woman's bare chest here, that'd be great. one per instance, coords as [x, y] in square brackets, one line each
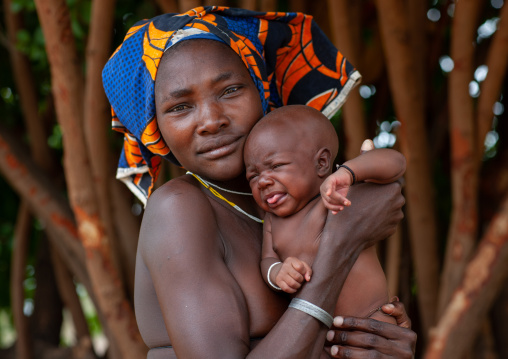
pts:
[242, 254]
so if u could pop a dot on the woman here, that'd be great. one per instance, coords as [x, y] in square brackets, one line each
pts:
[198, 290]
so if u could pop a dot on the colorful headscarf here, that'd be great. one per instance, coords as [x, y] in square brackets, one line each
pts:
[289, 58]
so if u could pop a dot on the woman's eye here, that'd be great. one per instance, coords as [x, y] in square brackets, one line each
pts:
[178, 108]
[231, 90]
[277, 165]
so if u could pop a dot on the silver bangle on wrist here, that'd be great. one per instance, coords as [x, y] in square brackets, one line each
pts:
[268, 276]
[313, 310]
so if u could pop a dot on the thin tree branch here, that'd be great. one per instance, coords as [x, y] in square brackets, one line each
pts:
[497, 62]
[24, 342]
[45, 202]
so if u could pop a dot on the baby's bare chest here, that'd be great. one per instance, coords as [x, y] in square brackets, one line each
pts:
[298, 236]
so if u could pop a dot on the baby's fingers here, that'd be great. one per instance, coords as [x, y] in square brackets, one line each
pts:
[304, 269]
[301, 270]
[290, 285]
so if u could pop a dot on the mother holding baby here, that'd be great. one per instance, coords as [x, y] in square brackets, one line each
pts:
[189, 88]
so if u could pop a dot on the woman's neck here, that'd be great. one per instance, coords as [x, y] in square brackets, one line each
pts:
[239, 184]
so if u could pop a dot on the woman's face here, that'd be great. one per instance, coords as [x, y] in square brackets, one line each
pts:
[206, 105]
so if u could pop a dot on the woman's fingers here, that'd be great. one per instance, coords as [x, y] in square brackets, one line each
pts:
[397, 310]
[374, 335]
[359, 340]
[367, 325]
[337, 351]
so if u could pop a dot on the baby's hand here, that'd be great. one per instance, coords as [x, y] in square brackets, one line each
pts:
[291, 273]
[334, 190]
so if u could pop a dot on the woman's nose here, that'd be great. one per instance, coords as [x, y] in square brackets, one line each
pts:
[212, 118]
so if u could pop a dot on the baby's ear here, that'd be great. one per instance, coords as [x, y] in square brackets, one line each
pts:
[323, 162]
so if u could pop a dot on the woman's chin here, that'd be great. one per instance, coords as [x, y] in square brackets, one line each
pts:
[222, 172]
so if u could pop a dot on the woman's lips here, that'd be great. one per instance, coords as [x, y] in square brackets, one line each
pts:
[219, 147]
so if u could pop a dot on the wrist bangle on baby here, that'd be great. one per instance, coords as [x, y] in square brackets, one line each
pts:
[313, 310]
[350, 171]
[268, 276]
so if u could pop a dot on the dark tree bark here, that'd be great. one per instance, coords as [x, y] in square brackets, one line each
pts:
[409, 109]
[463, 226]
[483, 279]
[343, 19]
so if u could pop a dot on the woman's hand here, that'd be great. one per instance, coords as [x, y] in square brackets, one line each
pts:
[373, 215]
[369, 338]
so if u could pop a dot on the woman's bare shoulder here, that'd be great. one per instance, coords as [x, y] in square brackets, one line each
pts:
[173, 210]
[181, 194]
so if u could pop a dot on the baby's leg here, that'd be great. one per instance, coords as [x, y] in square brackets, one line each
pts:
[365, 289]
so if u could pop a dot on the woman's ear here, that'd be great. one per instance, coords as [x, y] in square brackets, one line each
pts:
[323, 162]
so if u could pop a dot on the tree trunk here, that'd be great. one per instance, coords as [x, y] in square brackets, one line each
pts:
[168, 6]
[342, 25]
[97, 124]
[186, 5]
[298, 6]
[417, 14]
[463, 226]
[413, 141]
[268, 5]
[67, 86]
[248, 4]
[499, 318]
[483, 279]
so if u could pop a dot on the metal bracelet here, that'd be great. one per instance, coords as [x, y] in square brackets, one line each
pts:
[268, 276]
[313, 310]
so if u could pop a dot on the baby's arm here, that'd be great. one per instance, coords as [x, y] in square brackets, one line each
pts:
[287, 276]
[378, 166]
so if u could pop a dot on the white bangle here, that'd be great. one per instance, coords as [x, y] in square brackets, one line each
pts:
[313, 310]
[268, 277]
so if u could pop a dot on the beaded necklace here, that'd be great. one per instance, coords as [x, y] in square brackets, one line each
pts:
[209, 185]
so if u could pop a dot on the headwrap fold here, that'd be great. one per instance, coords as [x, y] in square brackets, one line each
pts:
[289, 58]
